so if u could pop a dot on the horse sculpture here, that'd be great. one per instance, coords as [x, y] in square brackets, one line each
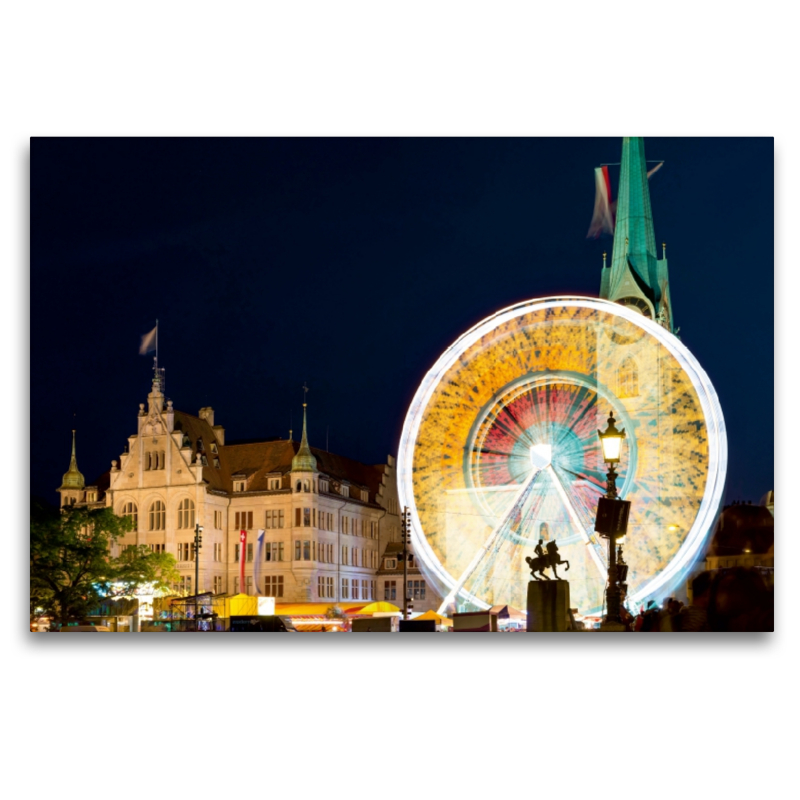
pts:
[545, 560]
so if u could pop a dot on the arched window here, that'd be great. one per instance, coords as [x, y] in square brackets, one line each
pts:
[306, 486]
[158, 516]
[628, 379]
[299, 487]
[131, 510]
[186, 514]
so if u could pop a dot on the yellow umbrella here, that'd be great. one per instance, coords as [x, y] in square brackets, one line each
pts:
[439, 619]
[379, 607]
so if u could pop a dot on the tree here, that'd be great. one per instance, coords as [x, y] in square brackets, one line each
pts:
[72, 570]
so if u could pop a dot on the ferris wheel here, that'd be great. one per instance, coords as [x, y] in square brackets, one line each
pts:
[499, 450]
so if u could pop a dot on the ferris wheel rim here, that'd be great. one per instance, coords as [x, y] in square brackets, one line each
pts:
[707, 396]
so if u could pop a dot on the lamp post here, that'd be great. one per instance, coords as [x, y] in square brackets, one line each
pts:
[612, 514]
[198, 543]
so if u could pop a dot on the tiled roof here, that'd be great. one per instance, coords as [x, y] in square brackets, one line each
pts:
[257, 459]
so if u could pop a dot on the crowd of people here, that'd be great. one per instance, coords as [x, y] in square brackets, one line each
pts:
[731, 600]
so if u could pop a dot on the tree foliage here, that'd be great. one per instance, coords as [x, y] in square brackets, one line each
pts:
[72, 570]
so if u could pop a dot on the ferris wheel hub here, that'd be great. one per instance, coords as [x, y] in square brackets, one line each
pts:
[541, 455]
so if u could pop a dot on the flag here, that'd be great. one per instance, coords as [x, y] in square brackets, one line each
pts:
[257, 563]
[603, 216]
[242, 548]
[149, 341]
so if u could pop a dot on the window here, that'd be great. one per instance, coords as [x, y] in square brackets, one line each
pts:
[391, 563]
[364, 590]
[250, 551]
[306, 550]
[236, 552]
[186, 514]
[274, 518]
[628, 379]
[216, 462]
[217, 551]
[392, 505]
[374, 589]
[218, 520]
[344, 554]
[218, 584]
[373, 530]
[236, 585]
[297, 550]
[410, 560]
[273, 551]
[345, 491]
[158, 516]
[131, 510]
[345, 526]
[329, 581]
[297, 513]
[157, 548]
[273, 586]
[416, 590]
[354, 555]
[185, 551]
[214, 447]
[365, 495]
[184, 585]
[274, 484]
[330, 553]
[355, 588]
[243, 520]
[249, 584]
[306, 517]
[345, 588]
[306, 486]
[390, 590]
[238, 486]
[314, 517]
[298, 486]
[321, 587]
[323, 485]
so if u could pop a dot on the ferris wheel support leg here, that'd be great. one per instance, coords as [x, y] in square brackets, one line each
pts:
[489, 543]
[576, 521]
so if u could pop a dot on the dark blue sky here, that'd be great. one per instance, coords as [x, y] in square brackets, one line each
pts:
[351, 264]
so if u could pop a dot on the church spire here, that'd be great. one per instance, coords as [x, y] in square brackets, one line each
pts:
[72, 479]
[304, 460]
[636, 277]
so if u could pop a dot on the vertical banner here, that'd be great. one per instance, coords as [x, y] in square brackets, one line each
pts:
[259, 556]
[242, 548]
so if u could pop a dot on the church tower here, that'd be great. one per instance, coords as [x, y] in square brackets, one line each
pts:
[72, 484]
[636, 276]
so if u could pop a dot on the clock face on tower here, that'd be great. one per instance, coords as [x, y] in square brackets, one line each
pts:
[500, 449]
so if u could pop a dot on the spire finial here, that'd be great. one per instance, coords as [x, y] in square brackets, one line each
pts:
[604, 259]
[73, 479]
[664, 249]
[304, 461]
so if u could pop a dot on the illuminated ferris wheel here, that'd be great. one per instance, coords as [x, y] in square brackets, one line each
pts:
[499, 450]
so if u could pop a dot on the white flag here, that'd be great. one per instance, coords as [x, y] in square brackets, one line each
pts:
[148, 342]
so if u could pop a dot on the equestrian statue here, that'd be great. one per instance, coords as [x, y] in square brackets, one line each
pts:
[545, 559]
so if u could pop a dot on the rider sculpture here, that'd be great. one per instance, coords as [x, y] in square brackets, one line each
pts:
[546, 557]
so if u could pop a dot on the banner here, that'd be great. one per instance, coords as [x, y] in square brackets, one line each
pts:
[242, 548]
[257, 563]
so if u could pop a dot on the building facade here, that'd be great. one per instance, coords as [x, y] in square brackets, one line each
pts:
[327, 519]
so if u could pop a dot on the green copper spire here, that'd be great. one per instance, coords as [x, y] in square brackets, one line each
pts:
[636, 277]
[304, 460]
[72, 477]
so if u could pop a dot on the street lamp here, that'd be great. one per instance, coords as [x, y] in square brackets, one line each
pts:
[198, 543]
[612, 514]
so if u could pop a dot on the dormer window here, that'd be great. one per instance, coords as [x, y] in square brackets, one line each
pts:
[200, 447]
[323, 486]
[365, 495]
[391, 563]
[345, 491]
[214, 447]
[274, 484]
[216, 462]
[238, 486]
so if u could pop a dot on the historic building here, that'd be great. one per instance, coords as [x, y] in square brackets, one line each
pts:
[327, 519]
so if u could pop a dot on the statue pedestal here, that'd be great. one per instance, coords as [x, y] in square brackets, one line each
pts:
[548, 606]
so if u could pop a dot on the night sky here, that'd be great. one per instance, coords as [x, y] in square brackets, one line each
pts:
[352, 264]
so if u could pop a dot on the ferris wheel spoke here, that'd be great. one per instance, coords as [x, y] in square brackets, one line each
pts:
[576, 521]
[491, 540]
